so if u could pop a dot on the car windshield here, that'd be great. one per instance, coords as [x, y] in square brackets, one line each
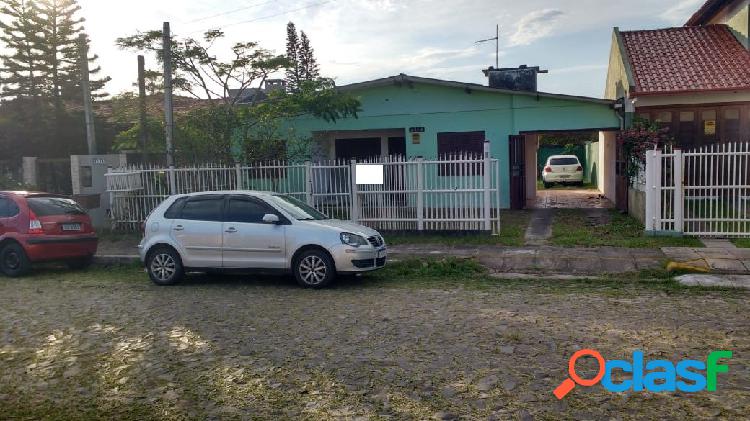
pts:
[51, 206]
[296, 209]
[563, 161]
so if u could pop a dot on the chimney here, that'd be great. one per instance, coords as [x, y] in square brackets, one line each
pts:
[522, 78]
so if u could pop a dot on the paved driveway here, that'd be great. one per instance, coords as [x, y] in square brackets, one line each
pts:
[108, 344]
[570, 198]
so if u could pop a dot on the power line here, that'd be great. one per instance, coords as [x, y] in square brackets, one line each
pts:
[228, 12]
[311, 5]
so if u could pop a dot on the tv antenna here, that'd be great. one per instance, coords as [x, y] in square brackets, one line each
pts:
[496, 38]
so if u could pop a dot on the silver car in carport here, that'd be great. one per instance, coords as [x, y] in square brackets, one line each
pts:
[231, 230]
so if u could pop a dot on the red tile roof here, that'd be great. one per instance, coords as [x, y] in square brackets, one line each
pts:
[709, 9]
[686, 59]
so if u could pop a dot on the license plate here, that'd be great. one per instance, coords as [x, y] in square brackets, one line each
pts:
[381, 254]
[564, 176]
[71, 227]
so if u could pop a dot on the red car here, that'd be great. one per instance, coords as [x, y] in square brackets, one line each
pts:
[42, 227]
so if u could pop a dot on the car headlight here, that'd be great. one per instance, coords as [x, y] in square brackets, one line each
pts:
[353, 240]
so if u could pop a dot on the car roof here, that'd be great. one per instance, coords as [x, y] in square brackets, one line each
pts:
[250, 192]
[24, 193]
[563, 156]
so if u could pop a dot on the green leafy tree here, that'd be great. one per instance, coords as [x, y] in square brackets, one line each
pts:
[199, 72]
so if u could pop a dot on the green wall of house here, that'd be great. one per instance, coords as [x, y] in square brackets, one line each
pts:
[440, 108]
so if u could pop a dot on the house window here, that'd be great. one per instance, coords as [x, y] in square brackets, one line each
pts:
[686, 129]
[731, 125]
[664, 120]
[452, 144]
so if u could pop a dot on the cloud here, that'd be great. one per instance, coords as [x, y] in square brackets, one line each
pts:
[535, 25]
[680, 12]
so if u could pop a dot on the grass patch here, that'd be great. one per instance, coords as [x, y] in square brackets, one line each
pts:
[449, 273]
[570, 228]
[512, 228]
[742, 242]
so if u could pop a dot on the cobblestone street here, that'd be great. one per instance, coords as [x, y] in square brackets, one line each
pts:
[108, 344]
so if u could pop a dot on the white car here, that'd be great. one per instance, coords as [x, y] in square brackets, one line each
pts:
[565, 169]
[230, 230]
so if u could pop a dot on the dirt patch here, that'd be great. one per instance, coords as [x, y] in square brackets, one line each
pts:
[108, 344]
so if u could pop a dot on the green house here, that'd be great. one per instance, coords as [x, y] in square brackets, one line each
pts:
[423, 117]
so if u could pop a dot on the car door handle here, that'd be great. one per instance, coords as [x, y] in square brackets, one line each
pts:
[231, 230]
[178, 228]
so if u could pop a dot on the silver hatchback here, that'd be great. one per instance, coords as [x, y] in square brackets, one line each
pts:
[234, 230]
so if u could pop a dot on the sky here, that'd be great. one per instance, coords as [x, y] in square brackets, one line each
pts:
[358, 40]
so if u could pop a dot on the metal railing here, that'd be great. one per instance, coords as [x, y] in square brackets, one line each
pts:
[701, 192]
[459, 192]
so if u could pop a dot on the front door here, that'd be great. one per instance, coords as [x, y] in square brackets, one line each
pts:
[397, 146]
[248, 241]
[198, 230]
[358, 148]
[517, 172]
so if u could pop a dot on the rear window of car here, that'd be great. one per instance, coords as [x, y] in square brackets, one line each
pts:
[52, 206]
[563, 161]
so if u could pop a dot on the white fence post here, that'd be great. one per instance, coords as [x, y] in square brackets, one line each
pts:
[309, 183]
[487, 187]
[420, 194]
[653, 190]
[238, 173]
[355, 206]
[679, 192]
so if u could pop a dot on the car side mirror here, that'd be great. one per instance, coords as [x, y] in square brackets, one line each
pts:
[270, 218]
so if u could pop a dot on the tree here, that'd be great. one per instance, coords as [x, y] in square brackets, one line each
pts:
[60, 29]
[198, 72]
[307, 63]
[293, 74]
[302, 64]
[22, 64]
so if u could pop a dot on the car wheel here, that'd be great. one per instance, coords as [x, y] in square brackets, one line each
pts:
[13, 260]
[164, 266]
[547, 185]
[314, 269]
[80, 264]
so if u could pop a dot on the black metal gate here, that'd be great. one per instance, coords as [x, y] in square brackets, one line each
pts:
[517, 172]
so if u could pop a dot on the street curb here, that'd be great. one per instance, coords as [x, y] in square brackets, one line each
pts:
[116, 259]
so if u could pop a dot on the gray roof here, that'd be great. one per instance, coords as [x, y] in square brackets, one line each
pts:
[406, 79]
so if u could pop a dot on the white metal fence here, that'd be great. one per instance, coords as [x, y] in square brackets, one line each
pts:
[450, 193]
[702, 192]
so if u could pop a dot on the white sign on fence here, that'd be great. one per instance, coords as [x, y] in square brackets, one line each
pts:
[369, 174]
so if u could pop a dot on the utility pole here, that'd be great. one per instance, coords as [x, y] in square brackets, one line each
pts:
[168, 115]
[497, 45]
[168, 110]
[86, 87]
[142, 105]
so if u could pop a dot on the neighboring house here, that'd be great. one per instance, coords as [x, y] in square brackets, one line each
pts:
[254, 95]
[694, 79]
[423, 117]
